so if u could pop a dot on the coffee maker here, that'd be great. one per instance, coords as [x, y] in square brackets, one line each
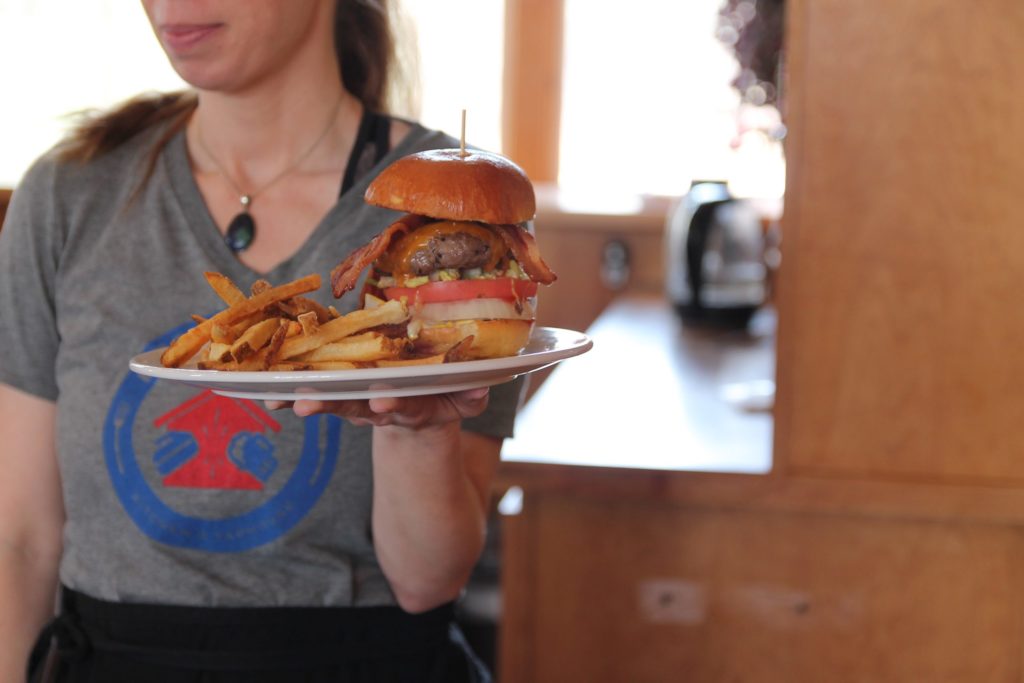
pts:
[715, 248]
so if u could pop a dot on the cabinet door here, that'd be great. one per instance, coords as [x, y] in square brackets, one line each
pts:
[903, 267]
[607, 592]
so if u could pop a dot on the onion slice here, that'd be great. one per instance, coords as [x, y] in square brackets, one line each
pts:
[475, 309]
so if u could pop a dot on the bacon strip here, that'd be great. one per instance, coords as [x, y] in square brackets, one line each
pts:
[519, 241]
[524, 248]
[345, 275]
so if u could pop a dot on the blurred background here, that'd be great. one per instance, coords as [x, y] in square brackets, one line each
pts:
[682, 88]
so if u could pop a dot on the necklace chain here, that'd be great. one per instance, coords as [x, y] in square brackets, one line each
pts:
[246, 198]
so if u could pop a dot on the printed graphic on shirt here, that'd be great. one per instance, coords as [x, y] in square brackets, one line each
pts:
[212, 443]
[215, 442]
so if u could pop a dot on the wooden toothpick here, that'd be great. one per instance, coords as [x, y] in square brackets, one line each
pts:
[462, 146]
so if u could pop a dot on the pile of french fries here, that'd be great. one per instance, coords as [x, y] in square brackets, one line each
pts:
[276, 328]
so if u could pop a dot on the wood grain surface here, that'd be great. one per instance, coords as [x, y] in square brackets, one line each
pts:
[903, 258]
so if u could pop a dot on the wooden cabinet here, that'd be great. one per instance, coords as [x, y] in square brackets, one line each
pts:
[904, 258]
[642, 590]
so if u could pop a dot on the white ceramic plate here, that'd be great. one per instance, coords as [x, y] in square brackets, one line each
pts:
[547, 345]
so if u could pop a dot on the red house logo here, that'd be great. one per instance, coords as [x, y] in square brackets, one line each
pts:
[215, 442]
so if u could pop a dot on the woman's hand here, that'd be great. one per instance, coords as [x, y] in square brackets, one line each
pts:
[412, 412]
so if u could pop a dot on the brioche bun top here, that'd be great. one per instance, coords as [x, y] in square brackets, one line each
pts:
[442, 183]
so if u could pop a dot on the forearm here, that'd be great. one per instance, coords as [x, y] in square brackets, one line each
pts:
[31, 523]
[429, 521]
[431, 484]
[28, 587]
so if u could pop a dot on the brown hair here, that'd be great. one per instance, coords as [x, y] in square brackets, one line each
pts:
[365, 46]
[364, 43]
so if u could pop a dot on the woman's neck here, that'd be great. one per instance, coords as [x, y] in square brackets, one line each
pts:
[255, 132]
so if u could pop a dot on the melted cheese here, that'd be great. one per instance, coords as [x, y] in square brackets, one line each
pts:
[396, 259]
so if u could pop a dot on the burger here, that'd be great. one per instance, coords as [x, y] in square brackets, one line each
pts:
[460, 257]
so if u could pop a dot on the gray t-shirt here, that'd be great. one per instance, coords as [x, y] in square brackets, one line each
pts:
[174, 494]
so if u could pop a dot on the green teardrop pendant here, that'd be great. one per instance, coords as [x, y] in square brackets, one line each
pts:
[241, 231]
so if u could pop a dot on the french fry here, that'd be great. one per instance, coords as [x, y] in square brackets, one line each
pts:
[278, 329]
[455, 353]
[309, 322]
[188, 344]
[224, 288]
[323, 314]
[335, 365]
[254, 338]
[436, 359]
[218, 352]
[390, 313]
[239, 328]
[299, 305]
[274, 346]
[215, 365]
[289, 366]
[252, 363]
[259, 287]
[221, 334]
[459, 351]
[360, 347]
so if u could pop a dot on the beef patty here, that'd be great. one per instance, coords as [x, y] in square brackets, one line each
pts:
[454, 250]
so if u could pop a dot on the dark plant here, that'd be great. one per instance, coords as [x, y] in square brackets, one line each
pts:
[754, 29]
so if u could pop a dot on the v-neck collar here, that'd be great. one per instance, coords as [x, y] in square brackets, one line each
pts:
[200, 221]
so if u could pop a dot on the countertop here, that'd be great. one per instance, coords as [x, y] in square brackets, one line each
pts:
[655, 394]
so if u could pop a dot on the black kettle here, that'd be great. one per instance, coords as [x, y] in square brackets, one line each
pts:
[715, 245]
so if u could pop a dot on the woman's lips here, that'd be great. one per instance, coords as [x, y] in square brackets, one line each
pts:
[181, 37]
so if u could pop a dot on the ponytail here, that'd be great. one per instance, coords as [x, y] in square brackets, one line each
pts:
[97, 134]
[377, 54]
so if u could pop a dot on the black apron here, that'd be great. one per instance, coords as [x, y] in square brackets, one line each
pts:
[96, 641]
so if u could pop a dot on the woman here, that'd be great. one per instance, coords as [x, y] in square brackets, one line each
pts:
[197, 537]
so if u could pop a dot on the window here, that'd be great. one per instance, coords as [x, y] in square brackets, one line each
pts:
[461, 50]
[647, 104]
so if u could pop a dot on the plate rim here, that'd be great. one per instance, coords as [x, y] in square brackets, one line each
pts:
[523, 363]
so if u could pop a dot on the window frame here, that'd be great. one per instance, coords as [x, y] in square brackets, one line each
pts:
[532, 85]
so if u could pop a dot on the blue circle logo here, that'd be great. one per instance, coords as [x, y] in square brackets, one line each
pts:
[249, 453]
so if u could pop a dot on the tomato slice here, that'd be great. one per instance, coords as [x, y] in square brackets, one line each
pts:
[460, 290]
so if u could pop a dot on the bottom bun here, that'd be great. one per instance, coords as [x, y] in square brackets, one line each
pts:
[491, 338]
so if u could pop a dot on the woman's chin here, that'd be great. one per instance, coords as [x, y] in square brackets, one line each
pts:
[209, 77]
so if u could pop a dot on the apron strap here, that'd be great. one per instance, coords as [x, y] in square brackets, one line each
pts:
[373, 136]
[61, 641]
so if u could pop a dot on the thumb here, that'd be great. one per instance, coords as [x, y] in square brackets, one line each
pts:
[471, 402]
